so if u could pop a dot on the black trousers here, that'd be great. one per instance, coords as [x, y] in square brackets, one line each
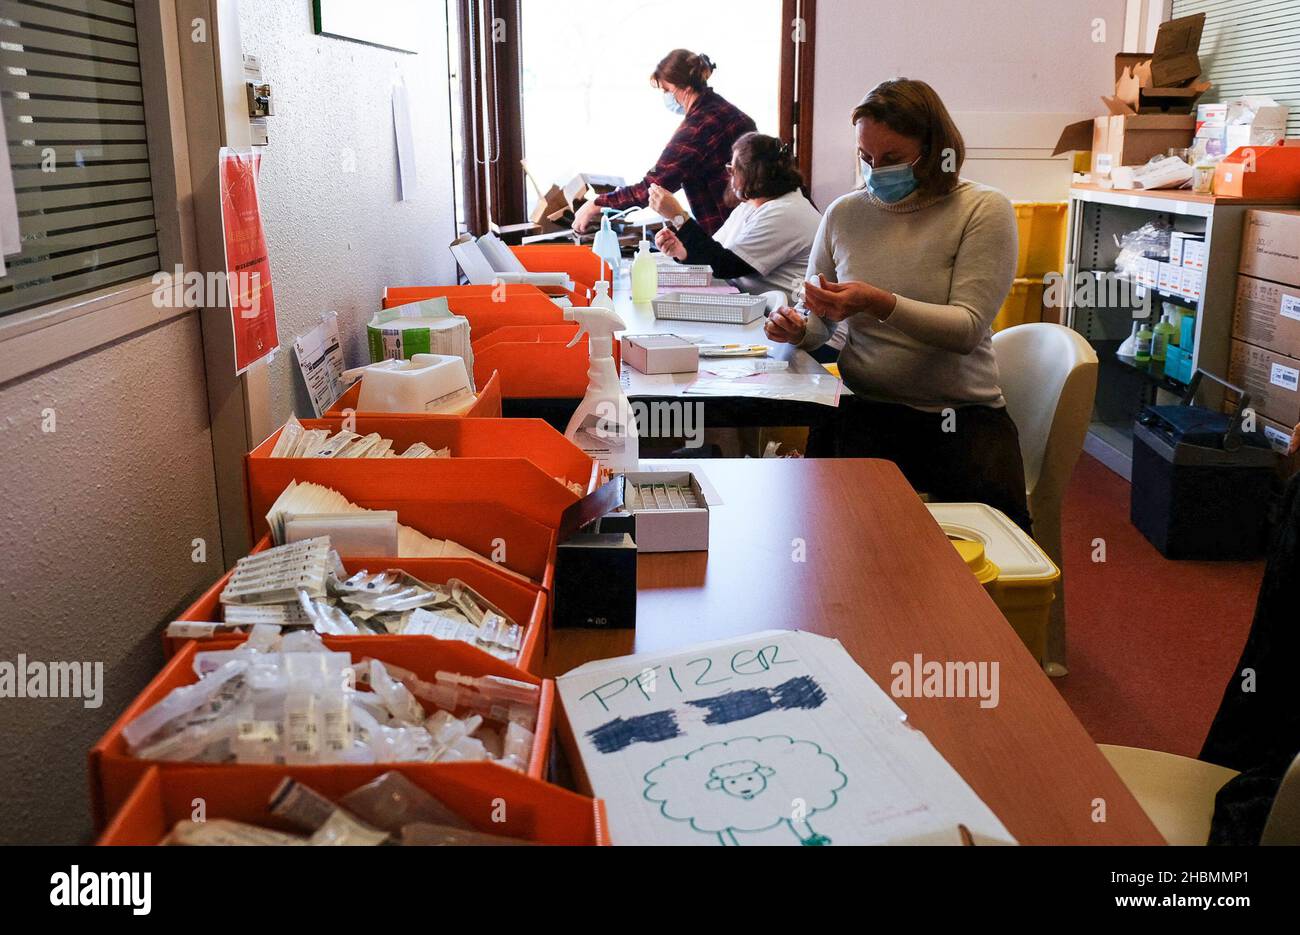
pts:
[970, 454]
[1257, 731]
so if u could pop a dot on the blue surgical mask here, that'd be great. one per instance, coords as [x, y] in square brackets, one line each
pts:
[890, 183]
[674, 106]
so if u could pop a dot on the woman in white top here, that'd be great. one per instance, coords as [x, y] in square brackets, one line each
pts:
[765, 243]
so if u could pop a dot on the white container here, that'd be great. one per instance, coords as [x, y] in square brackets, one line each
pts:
[436, 383]
[683, 274]
[726, 308]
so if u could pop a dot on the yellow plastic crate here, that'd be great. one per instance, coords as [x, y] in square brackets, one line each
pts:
[1024, 304]
[1041, 229]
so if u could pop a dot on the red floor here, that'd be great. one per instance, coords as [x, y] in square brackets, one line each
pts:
[1151, 642]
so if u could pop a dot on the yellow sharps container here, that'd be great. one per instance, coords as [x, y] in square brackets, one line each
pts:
[1018, 575]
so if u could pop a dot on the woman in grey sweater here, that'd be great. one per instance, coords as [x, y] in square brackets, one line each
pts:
[918, 263]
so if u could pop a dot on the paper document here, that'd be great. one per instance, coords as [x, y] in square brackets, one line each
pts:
[774, 738]
[320, 358]
[408, 181]
[717, 380]
[11, 240]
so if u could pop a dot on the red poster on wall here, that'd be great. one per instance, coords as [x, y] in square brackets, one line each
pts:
[248, 271]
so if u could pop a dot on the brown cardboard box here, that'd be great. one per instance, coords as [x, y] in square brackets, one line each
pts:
[1271, 379]
[1130, 140]
[1156, 83]
[1270, 245]
[1267, 314]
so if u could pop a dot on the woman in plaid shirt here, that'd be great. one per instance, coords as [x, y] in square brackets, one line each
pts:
[695, 158]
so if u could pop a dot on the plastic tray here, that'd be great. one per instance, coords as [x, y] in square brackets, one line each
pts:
[681, 274]
[733, 309]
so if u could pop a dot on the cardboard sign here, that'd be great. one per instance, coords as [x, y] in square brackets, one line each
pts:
[248, 270]
[777, 737]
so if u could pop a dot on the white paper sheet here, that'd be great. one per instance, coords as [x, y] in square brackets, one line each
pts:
[320, 358]
[408, 181]
[11, 240]
[774, 738]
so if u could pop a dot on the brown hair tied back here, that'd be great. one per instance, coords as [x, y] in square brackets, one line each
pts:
[913, 108]
[684, 69]
[764, 167]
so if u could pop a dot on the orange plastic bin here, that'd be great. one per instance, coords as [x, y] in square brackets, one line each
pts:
[534, 811]
[114, 773]
[523, 603]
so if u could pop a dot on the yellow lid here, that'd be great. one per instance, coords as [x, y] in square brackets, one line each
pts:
[972, 553]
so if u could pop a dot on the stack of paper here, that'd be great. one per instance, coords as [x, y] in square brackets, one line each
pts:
[297, 442]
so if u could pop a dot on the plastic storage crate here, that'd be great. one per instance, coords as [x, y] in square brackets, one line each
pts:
[680, 274]
[727, 308]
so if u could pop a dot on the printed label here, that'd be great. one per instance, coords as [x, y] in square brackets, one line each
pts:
[1291, 307]
[1277, 438]
[1286, 377]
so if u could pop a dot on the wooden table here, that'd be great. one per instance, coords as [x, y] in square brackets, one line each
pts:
[882, 579]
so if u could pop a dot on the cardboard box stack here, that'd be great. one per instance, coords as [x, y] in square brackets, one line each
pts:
[1152, 108]
[1265, 358]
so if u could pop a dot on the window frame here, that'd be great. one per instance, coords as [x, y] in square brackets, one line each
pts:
[45, 335]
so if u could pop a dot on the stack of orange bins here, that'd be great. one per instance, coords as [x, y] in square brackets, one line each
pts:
[518, 333]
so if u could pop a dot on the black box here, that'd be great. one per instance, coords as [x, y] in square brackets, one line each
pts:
[1200, 485]
[595, 582]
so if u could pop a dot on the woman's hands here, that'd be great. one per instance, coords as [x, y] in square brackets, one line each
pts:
[836, 301]
[785, 326]
[588, 217]
[668, 244]
[663, 203]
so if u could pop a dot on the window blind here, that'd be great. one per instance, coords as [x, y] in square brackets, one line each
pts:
[75, 123]
[1250, 47]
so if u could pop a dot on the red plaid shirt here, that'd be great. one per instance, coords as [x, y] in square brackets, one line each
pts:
[694, 160]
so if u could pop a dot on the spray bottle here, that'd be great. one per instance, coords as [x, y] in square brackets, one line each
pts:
[603, 425]
[645, 272]
[605, 245]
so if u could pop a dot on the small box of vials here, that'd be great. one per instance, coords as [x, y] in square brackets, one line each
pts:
[669, 510]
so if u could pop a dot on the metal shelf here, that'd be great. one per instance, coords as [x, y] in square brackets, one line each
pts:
[1096, 217]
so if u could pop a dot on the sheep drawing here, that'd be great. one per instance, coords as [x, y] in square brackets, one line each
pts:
[748, 785]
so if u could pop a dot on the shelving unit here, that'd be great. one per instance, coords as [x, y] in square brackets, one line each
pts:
[1098, 216]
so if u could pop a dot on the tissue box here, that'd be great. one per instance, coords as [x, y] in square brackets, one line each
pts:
[660, 353]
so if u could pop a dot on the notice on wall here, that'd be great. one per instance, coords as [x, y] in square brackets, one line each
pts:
[248, 269]
[320, 358]
[11, 240]
[777, 737]
[407, 180]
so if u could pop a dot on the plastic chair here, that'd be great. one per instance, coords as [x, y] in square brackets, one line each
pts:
[1049, 379]
[1177, 793]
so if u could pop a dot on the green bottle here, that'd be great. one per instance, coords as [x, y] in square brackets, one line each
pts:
[1143, 352]
[1161, 335]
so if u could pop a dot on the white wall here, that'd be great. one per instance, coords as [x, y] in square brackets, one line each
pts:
[97, 521]
[1026, 57]
[337, 233]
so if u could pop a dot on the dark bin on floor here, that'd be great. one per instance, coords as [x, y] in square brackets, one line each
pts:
[1200, 485]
